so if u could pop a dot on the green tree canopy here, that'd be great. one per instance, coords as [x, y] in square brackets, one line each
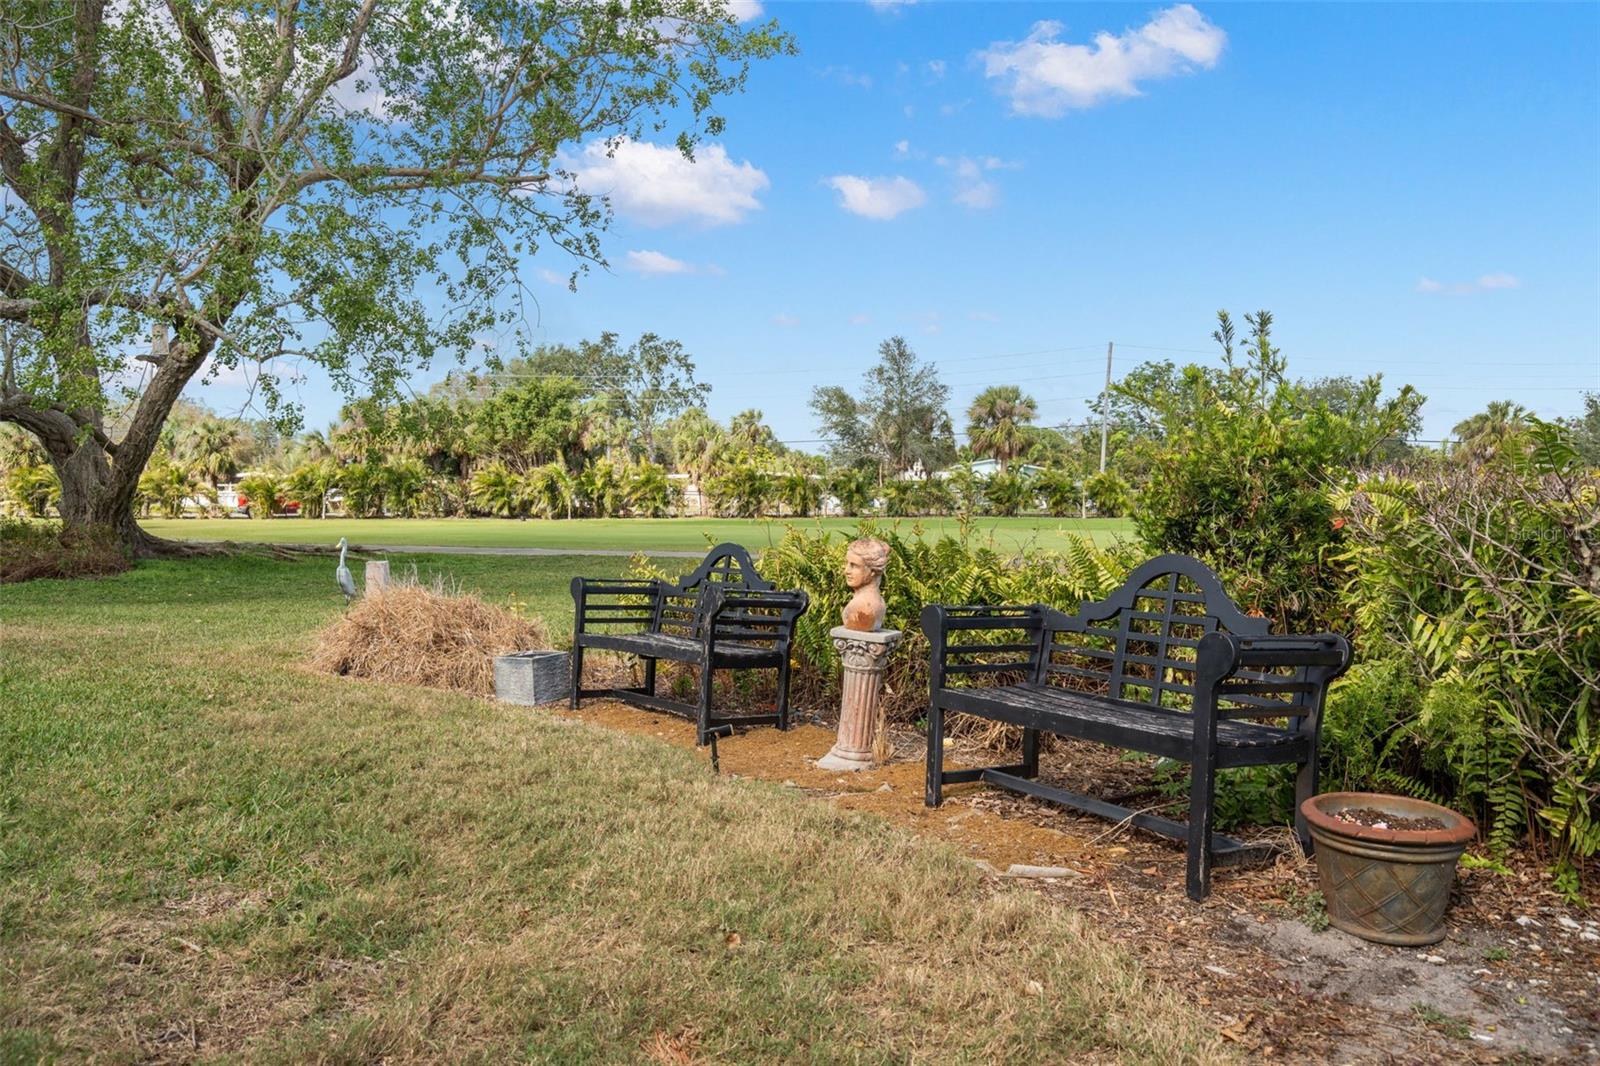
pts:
[898, 423]
[352, 183]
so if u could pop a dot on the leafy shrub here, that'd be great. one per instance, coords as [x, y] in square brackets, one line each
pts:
[33, 488]
[1111, 495]
[1245, 795]
[1486, 579]
[1239, 465]
[30, 550]
[263, 492]
[948, 570]
[1007, 494]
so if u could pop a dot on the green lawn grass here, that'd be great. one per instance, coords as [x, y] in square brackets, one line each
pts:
[207, 852]
[631, 534]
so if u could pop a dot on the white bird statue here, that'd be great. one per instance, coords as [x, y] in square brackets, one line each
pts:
[347, 584]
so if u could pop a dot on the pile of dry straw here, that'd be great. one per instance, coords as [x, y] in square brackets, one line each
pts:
[425, 636]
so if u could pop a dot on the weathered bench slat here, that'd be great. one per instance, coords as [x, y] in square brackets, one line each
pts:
[988, 649]
[1000, 622]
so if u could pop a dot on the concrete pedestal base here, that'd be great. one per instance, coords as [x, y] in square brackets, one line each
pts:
[864, 655]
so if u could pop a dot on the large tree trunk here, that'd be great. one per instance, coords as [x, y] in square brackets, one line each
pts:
[94, 496]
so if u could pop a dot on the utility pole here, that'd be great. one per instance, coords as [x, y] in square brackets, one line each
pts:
[1105, 408]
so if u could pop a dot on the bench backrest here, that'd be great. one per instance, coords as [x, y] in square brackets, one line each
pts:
[680, 605]
[1139, 643]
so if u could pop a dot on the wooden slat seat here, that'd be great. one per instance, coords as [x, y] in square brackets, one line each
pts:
[723, 616]
[1125, 724]
[1166, 665]
[732, 654]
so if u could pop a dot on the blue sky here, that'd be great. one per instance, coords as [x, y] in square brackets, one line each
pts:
[1409, 189]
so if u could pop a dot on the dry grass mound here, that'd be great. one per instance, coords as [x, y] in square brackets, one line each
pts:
[425, 636]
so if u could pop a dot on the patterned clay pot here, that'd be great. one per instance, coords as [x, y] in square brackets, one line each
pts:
[1390, 886]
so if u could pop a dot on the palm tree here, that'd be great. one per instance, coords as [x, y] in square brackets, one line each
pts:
[212, 448]
[935, 496]
[497, 490]
[799, 492]
[966, 487]
[649, 491]
[995, 421]
[262, 492]
[901, 497]
[744, 489]
[698, 447]
[403, 485]
[167, 484]
[34, 487]
[1060, 492]
[749, 429]
[362, 488]
[1007, 494]
[853, 489]
[549, 490]
[310, 484]
[1487, 433]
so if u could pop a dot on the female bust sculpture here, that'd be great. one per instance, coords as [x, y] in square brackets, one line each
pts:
[864, 562]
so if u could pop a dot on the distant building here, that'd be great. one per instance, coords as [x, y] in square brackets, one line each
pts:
[984, 469]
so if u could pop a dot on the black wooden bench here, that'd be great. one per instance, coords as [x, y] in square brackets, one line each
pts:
[724, 616]
[1166, 665]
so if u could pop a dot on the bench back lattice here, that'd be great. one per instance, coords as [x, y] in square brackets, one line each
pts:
[1139, 643]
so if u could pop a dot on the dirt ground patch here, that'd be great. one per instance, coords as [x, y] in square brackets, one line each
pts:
[1516, 980]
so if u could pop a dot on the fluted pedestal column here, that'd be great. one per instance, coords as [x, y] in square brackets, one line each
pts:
[864, 655]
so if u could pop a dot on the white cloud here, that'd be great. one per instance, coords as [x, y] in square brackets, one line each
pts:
[937, 67]
[973, 189]
[550, 277]
[1047, 77]
[860, 318]
[745, 10]
[890, 5]
[651, 264]
[654, 184]
[983, 316]
[846, 76]
[1485, 283]
[880, 198]
[902, 148]
[785, 320]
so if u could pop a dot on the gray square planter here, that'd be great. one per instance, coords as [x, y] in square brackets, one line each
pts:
[530, 678]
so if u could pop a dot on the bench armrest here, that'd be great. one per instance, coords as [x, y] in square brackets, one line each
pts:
[610, 601]
[738, 613]
[1245, 672]
[941, 621]
[1320, 649]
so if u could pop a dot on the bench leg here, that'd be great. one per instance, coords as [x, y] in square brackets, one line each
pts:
[702, 732]
[1030, 752]
[783, 693]
[1202, 793]
[1305, 786]
[934, 794]
[577, 673]
[649, 677]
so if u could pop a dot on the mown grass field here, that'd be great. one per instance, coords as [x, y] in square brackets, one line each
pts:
[207, 852]
[628, 534]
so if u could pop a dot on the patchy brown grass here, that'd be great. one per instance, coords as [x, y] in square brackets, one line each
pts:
[414, 635]
[260, 863]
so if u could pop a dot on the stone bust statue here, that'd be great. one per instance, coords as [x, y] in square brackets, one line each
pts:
[864, 562]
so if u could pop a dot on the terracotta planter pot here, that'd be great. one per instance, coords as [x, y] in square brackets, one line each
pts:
[1386, 885]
